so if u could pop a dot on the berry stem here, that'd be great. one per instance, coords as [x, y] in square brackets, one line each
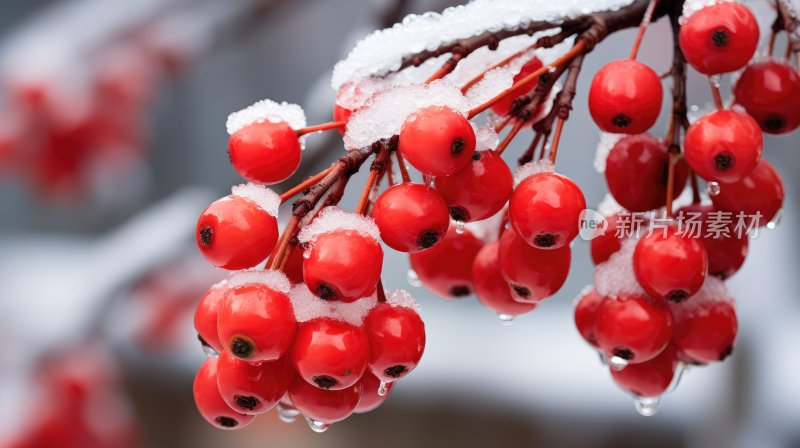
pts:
[401, 162]
[304, 185]
[375, 170]
[648, 16]
[321, 127]
[695, 188]
[529, 153]
[673, 158]
[716, 93]
[445, 69]
[509, 137]
[283, 242]
[556, 139]
[502, 63]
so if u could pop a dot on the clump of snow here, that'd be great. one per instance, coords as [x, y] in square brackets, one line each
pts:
[483, 59]
[219, 284]
[333, 218]
[384, 114]
[264, 197]
[485, 137]
[402, 298]
[307, 307]
[267, 110]
[609, 206]
[692, 6]
[494, 81]
[711, 293]
[604, 147]
[531, 169]
[384, 50]
[276, 280]
[615, 277]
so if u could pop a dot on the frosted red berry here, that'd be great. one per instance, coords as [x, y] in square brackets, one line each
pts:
[650, 378]
[234, 233]
[637, 170]
[503, 106]
[491, 288]
[325, 406]
[446, 269]
[205, 316]
[265, 152]
[253, 388]
[396, 339]
[758, 196]
[330, 354]
[625, 97]
[586, 315]
[437, 140]
[532, 274]
[770, 92]
[343, 265]
[635, 328]
[670, 265]
[705, 332]
[256, 323]
[724, 146]
[545, 210]
[411, 217]
[370, 398]
[478, 191]
[719, 38]
[210, 403]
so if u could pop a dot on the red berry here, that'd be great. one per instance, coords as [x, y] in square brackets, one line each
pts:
[294, 266]
[545, 210]
[437, 140]
[759, 193]
[490, 286]
[411, 217]
[670, 265]
[478, 191]
[343, 265]
[370, 398]
[205, 316]
[625, 97]
[726, 250]
[446, 269]
[503, 106]
[252, 388]
[606, 244]
[719, 38]
[256, 322]
[235, 233]
[636, 173]
[586, 315]
[705, 331]
[724, 146]
[533, 274]
[770, 92]
[325, 406]
[210, 403]
[634, 328]
[265, 152]
[396, 339]
[330, 354]
[651, 378]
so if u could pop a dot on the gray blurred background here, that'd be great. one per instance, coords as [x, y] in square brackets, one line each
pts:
[76, 267]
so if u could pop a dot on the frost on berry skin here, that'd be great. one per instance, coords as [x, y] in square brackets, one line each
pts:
[275, 280]
[268, 200]
[334, 218]
[532, 168]
[307, 307]
[494, 82]
[485, 137]
[615, 278]
[402, 298]
[267, 110]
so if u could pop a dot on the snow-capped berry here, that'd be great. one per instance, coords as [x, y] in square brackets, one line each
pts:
[724, 146]
[625, 97]
[265, 152]
[437, 140]
[411, 217]
[478, 191]
[719, 38]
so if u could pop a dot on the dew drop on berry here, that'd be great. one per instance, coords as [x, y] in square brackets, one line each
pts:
[505, 319]
[713, 189]
[459, 227]
[647, 406]
[680, 370]
[775, 220]
[383, 388]
[210, 352]
[617, 363]
[413, 278]
[317, 426]
[287, 414]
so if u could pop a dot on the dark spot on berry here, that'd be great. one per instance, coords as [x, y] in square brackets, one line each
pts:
[677, 296]
[774, 123]
[326, 292]
[395, 371]
[725, 353]
[723, 161]
[247, 403]
[226, 422]
[460, 291]
[203, 341]
[623, 353]
[457, 147]
[476, 156]
[459, 214]
[427, 239]
[241, 347]
[206, 236]
[324, 381]
[521, 290]
[545, 240]
[720, 38]
[621, 121]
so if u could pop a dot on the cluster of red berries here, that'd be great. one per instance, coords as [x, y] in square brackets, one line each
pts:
[659, 299]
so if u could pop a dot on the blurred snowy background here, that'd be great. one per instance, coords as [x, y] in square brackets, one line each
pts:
[96, 241]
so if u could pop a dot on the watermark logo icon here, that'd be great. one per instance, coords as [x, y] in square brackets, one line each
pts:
[591, 224]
